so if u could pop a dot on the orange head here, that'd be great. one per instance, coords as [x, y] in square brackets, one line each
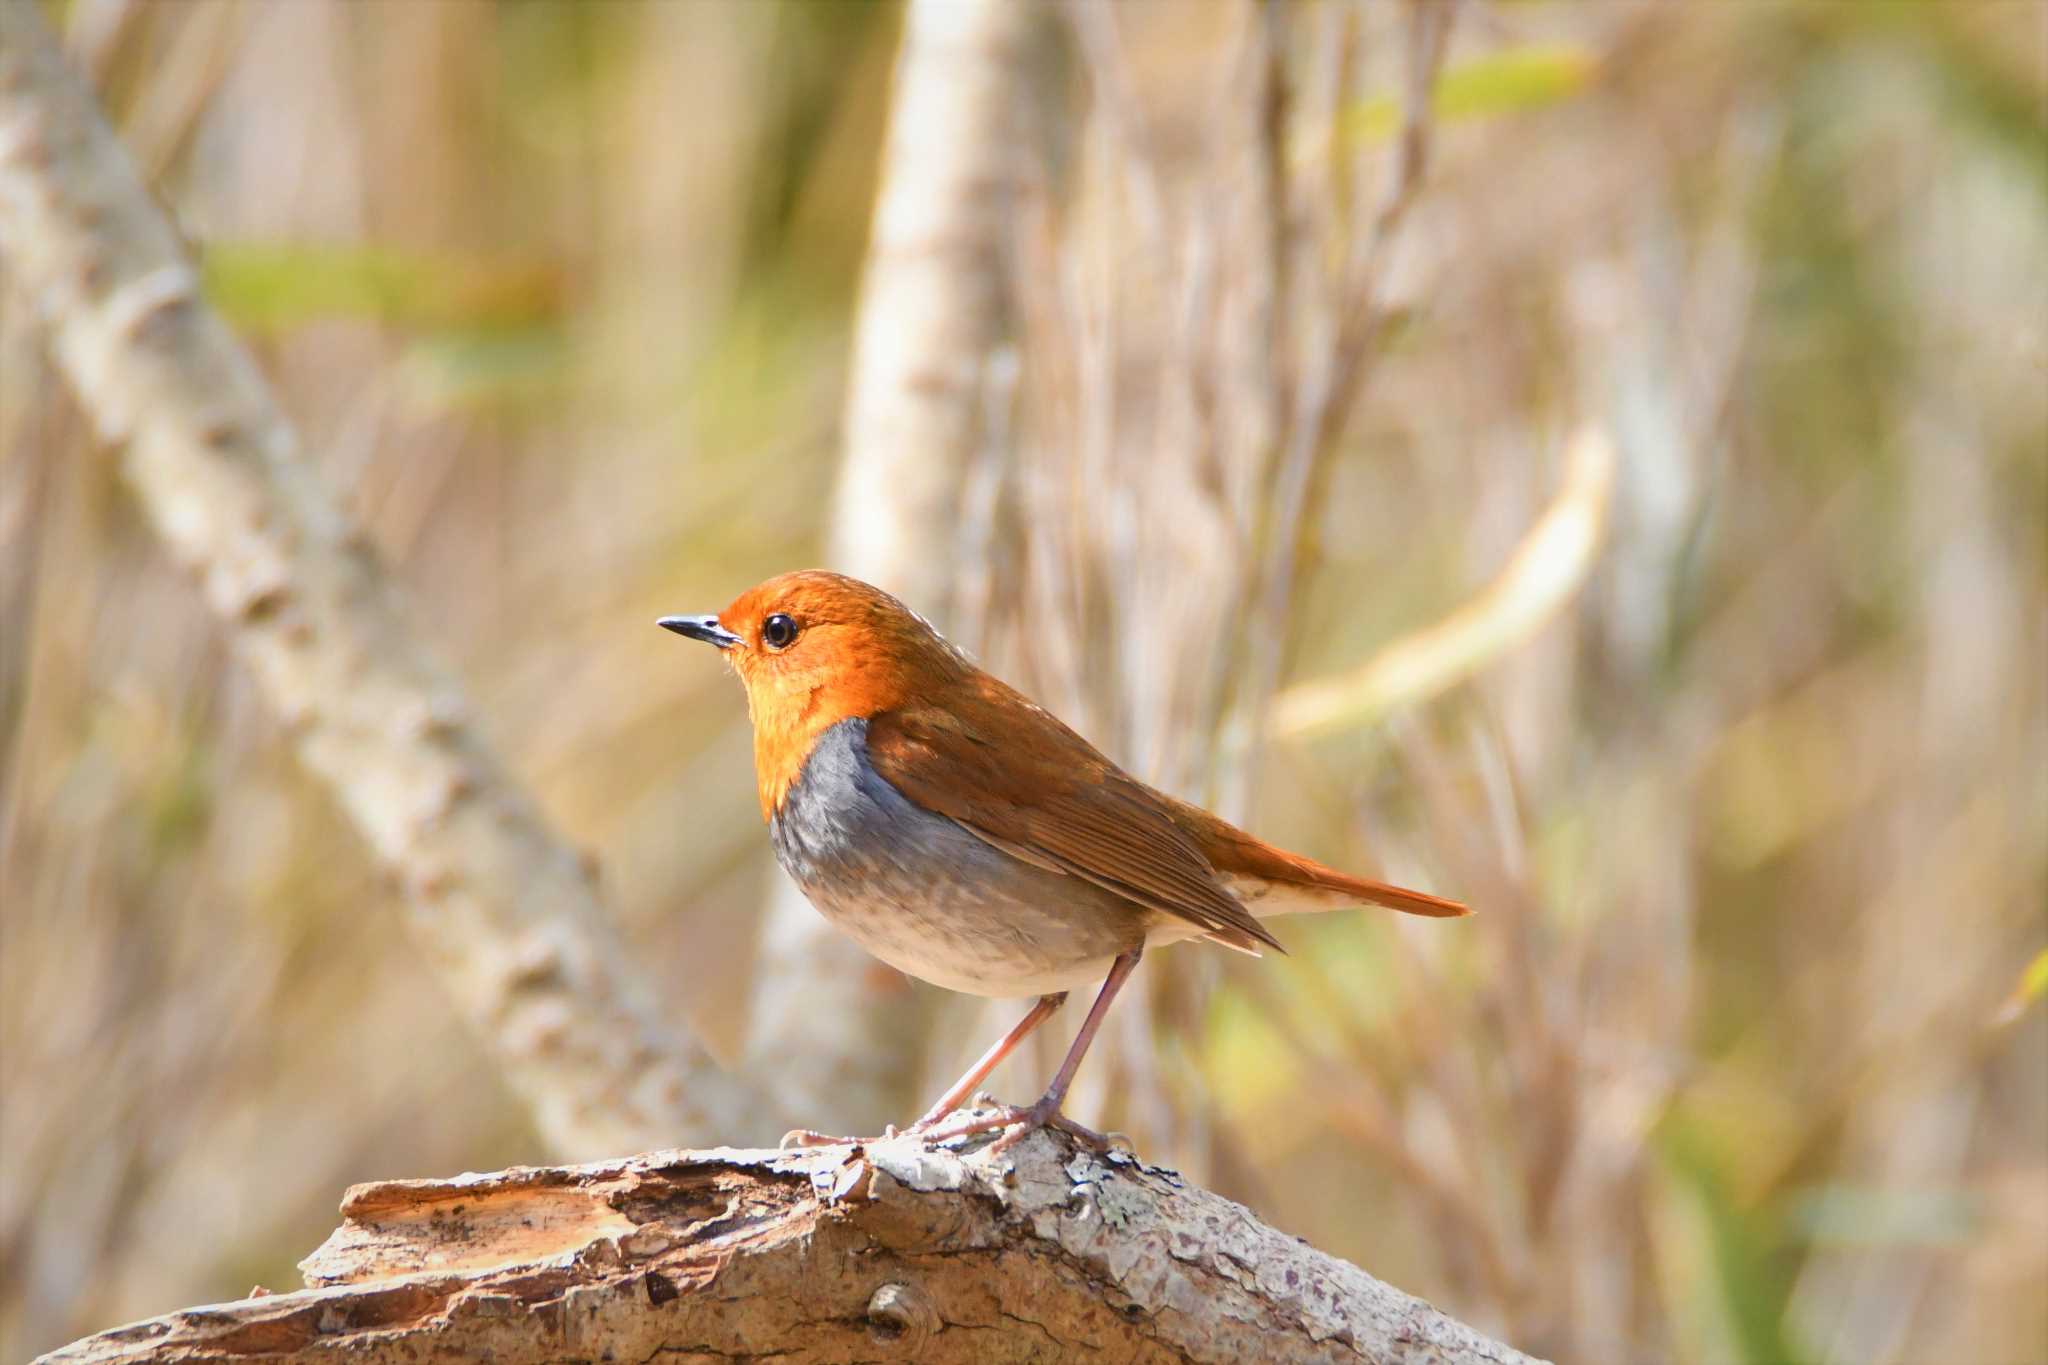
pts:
[815, 648]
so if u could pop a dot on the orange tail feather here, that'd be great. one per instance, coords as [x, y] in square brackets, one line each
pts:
[1237, 855]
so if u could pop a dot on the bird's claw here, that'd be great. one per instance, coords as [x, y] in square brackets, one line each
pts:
[797, 1138]
[1102, 1143]
[1019, 1121]
[975, 1121]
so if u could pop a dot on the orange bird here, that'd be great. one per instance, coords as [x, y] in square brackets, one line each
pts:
[960, 833]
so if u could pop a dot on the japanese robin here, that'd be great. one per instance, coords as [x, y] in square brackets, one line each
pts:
[962, 834]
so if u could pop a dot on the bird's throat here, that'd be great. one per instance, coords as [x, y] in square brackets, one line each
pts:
[785, 732]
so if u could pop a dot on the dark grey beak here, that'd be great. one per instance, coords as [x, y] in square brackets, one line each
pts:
[705, 628]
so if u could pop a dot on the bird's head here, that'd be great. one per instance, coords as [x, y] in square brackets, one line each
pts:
[815, 648]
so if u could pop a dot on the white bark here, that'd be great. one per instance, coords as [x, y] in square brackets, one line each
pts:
[843, 1033]
[894, 1252]
[499, 903]
[932, 296]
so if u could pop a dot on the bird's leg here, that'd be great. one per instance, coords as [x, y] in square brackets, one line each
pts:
[990, 1059]
[1025, 1121]
[962, 1088]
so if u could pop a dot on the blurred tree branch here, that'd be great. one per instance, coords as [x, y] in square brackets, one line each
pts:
[843, 1032]
[1546, 569]
[1202, 291]
[1336, 344]
[501, 905]
[896, 1251]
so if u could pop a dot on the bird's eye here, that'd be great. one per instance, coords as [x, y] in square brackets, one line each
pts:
[778, 631]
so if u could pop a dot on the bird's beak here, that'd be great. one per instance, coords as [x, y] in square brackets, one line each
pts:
[705, 628]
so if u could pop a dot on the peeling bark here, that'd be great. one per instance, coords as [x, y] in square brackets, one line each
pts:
[895, 1251]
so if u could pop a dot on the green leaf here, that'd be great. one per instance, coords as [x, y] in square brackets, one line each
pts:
[1510, 82]
[274, 286]
[1746, 1249]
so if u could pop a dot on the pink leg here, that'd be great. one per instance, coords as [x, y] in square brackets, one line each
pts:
[1024, 1121]
[990, 1059]
[962, 1088]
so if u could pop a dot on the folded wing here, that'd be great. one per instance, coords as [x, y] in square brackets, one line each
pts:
[1050, 798]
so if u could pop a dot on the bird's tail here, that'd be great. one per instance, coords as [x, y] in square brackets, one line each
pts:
[1272, 881]
[1315, 887]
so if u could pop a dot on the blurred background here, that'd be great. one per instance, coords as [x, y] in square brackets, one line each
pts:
[1744, 1056]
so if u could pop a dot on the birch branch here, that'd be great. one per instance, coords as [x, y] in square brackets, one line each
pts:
[500, 904]
[931, 312]
[1544, 573]
[897, 1251]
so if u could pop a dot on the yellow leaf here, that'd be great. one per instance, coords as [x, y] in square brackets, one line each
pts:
[2032, 986]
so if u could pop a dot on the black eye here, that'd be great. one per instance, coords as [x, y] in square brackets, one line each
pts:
[778, 631]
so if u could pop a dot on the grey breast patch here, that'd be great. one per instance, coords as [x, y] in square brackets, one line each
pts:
[925, 894]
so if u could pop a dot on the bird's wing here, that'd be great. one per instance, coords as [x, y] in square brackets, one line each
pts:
[1043, 794]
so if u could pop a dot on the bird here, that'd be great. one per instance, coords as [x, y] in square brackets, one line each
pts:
[965, 836]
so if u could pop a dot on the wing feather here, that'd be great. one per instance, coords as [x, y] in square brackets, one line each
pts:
[1051, 799]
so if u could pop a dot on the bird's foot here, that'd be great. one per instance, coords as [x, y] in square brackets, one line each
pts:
[1019, 1122]
[937, 1128]
[946, 1109]
[807, 1137]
